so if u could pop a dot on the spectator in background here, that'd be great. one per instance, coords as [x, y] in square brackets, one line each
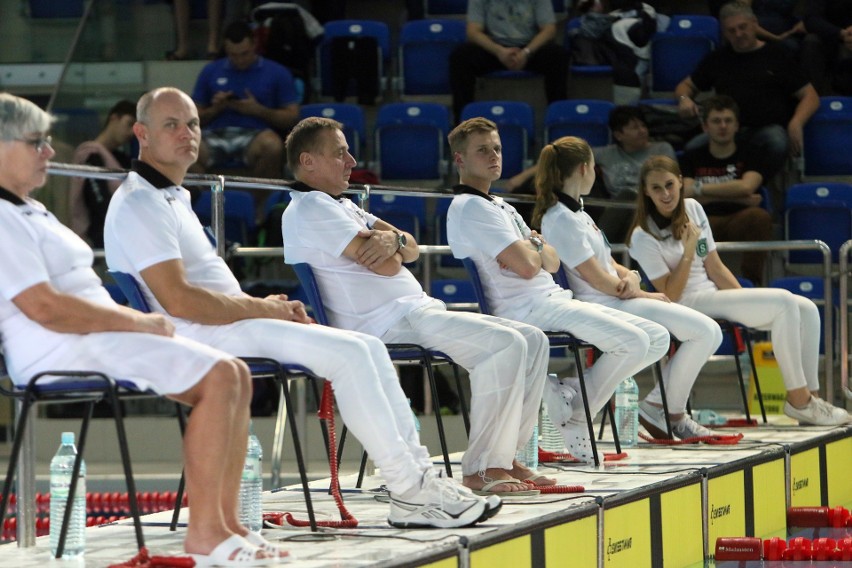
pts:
[508, 34]
[246, 103]
[776, 20]
[181, 13]
[725, 179]
[90, 197]
[774, 96]
[827, 51]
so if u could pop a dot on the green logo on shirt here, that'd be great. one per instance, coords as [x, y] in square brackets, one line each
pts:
[701, 248]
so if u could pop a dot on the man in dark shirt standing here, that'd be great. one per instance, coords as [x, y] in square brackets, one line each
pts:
[774, 96]
[725, 178]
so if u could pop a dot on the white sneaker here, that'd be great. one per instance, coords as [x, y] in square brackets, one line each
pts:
[439, 504]
[817, 413]
[557, 396]
[493, 503]
[686, 427]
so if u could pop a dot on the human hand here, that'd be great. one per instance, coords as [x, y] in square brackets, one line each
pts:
[288, 310]
[247, 105]
[690, 235]
[155, 324]
[795, 133]
[379, 246]
[687, 108]
[222, 98]
[658, 296]
[629, 286]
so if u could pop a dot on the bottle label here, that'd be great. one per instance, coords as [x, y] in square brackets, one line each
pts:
[61, 485]
[252, 469]
[626, 399]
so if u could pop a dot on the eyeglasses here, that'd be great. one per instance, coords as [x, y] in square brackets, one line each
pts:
[39, 143]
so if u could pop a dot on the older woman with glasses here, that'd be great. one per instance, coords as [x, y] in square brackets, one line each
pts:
[54, 314]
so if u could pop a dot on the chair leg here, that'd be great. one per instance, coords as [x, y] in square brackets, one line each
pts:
[278, 438]
[658, 370]
[75, 475]
[181, 416]
[614, 425]
[605, 413]
[439, 420]
[125, 461]
[586, 408]
[741, 378]
[300, 460]
[462, 401]
[361, 470]
[747, 339]
[26, 402]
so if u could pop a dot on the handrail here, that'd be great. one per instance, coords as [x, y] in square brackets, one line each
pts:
[78, 33]
[845, 248]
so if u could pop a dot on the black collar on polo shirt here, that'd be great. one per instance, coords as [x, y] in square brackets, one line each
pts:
[663, 223]
[463, 188]
[302, 187]
[10, 197]
[569, 202]
[151, 174]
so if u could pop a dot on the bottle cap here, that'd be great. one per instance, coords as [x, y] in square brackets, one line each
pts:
[68, 437]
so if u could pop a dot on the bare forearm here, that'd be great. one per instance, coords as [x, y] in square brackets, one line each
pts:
[64, 313]
[207, 307]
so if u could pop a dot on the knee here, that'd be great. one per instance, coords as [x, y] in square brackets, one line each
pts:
[635, 341]
[758, 222]
[267, 143]
[229, 380]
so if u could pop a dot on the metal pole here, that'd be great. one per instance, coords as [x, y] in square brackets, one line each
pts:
[26, 533]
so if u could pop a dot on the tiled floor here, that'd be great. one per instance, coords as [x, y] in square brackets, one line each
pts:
[376, 543]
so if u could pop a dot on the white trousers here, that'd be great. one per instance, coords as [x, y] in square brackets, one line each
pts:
[507, 361]
[792, 320]
[628, 343]
[366, 387]
[699, 337]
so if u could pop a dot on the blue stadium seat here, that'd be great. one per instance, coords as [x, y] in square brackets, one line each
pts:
[813, 288]
[410, 140]
[818, 211]
[695, 25]
[578, 70]
[676, 52]
[828, 137]
[352, 118]
[588, 119]
[424, 55]
[352, 29]
[453, 291]
[405, 212]
[516, 122]
[240, 223]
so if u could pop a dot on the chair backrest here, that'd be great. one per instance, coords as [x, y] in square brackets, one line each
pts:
[578, 68]
[516, 122]
[240, 221]
[405, 212]
[453, 291]
[478, 290]
[818, 211]
[407, 130]
[828, 137]
[351, 116]
[695, 25]
[355, 29]
[586, 118]
[424, 55]
[561, 277]
[132, 290]
[675, 56]
[306, 277]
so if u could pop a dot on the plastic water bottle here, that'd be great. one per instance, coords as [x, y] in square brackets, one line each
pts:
[627, 412]
[528, 455]
[251, 486]
[414, 415]
[551, 438]
[61, 467]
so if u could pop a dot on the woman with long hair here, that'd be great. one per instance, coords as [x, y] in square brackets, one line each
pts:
[672, 241]
[565, 174]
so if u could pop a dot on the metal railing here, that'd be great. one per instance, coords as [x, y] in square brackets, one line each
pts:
[845, 248]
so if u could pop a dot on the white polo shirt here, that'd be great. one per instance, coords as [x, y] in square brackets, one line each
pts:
[316, 228]
[480, 227]
[37, 249]
[149, 221]
[661, 255]
[576, 238]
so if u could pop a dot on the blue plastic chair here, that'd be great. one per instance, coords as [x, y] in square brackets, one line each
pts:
[352, 28]
[261, 368]
[424, 55]
[820, 211]
[585, 118]
[351, 116]
[405, 212]
[828, 137]
[453, 291]
[582, 70]
[516, 122]
[240, 223]
[557, 339]
[410, 140]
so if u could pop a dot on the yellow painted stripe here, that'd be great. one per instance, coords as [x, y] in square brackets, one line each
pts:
[576, 540]
[770, 510]
[683, 539]
[513, 553]
[838, 458]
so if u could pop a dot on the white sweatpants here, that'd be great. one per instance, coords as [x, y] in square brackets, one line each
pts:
[699, 337]
[628, 343]
[365, 383]
[792, 320]
[507, 361]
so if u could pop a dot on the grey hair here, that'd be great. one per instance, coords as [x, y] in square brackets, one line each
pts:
[144, 105]
[736, 8]
[19, 117]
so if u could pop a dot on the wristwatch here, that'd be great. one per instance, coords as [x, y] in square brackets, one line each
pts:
[539, 244]
[401, 240]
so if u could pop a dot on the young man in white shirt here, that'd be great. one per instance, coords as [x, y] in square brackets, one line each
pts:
[515, 264]
[358, 262]
[152, 233]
